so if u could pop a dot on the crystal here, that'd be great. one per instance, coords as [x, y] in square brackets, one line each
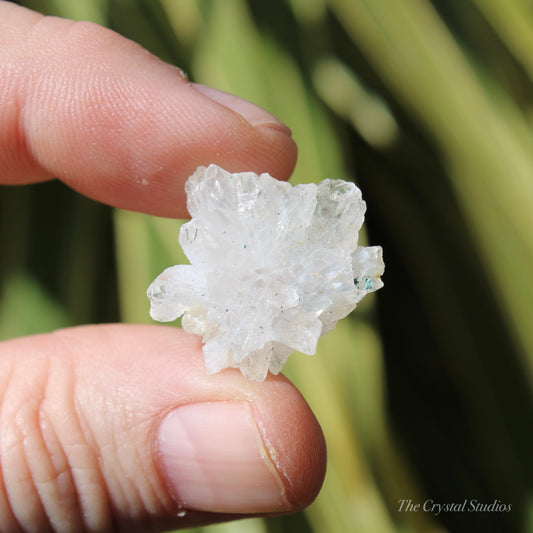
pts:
[273, 267]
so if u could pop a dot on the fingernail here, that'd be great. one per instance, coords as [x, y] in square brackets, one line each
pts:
[214, 459]
[254, 114]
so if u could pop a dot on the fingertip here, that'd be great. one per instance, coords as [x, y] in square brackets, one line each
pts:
[117, 124]
[241, 428]
[262, 455]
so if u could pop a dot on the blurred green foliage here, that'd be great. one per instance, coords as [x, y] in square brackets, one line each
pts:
[426, 391]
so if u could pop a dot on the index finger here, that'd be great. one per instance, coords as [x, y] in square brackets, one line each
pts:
[83, 104]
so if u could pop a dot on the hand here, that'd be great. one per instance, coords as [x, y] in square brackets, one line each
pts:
[118, 426]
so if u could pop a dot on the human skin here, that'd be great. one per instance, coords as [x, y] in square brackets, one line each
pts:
[117, 427]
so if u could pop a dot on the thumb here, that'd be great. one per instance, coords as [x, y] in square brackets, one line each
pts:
[119, 427]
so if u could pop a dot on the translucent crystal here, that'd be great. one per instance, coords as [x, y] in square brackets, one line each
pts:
[273, 267]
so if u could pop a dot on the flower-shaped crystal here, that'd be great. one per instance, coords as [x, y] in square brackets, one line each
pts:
[273, 267]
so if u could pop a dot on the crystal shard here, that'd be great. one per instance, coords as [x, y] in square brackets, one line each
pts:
[273, 267]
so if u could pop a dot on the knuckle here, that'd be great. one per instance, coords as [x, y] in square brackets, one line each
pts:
[74, 455]
[46, 465]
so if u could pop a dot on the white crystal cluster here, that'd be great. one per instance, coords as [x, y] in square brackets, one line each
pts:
[273, 267]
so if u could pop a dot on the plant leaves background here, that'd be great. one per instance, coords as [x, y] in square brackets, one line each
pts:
[426, 391]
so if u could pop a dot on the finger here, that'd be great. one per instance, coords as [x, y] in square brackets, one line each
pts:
[83, 104]
[119, 426]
